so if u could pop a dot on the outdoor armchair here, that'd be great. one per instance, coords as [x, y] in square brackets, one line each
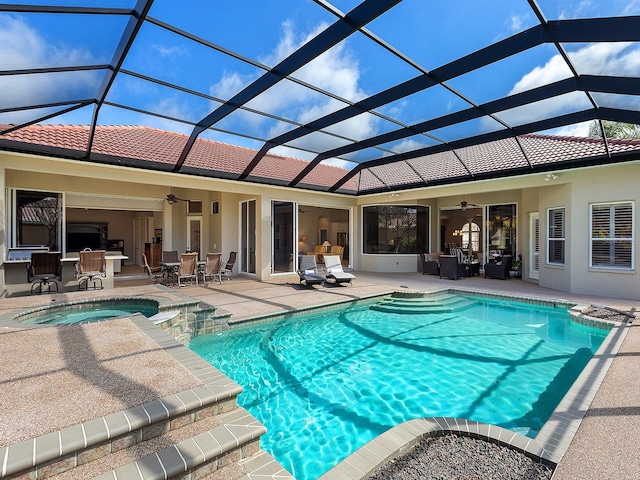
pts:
[499, 269]
[450, 267]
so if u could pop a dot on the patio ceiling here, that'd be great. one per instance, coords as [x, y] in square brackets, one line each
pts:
[396, 94]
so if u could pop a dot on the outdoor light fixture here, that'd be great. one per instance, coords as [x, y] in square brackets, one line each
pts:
[550, 176]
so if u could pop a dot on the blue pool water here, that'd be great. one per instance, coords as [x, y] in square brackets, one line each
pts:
[88, 313]
[326, 383]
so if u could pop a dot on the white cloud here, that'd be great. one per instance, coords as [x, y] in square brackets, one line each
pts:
[554, 70]
[336, 71]
[308, 156]
[595, 59]
[577, 130]
[335, 162]
[632, 7]
[515, 23]
[408, 145]
[23, 47]
[230, 84]
[170, 52]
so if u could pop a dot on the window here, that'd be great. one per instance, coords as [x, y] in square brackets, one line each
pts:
[38, 219]
[392, 229]
[471, 231]
[555, 250]
[612, 226]
[194, 206]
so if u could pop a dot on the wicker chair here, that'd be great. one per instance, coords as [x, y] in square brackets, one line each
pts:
[500, 269]
[430, 263]
[451, 268]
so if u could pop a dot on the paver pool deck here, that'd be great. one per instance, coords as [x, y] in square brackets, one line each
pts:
[54, 377]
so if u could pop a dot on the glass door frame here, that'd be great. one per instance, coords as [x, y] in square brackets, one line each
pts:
[278, 240]
[197, 218]
[513, 230]
[247, 237]
[534, 245]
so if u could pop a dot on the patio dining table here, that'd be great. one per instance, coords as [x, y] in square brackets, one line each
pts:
[170, 270]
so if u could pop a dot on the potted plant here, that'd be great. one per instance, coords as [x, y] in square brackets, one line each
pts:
[516, 266]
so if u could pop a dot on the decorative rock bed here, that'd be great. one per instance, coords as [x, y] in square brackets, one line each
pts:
[452, 457]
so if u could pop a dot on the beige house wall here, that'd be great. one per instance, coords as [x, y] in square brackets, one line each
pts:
[114, 187]
[605, 184]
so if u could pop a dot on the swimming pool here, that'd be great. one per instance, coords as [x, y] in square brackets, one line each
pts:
[326, 383]
[90, 311]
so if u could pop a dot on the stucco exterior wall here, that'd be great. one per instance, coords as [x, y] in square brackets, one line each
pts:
[118, 188]
[612, 183]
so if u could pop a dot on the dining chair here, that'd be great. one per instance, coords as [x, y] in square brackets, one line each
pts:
[188, 268]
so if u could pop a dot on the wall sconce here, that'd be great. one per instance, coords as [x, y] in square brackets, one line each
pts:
[550, 176]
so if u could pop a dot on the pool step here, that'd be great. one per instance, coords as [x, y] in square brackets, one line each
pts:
[431, 304]
[209, 410]
[212, 450]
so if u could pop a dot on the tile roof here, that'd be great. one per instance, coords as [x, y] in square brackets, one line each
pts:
[152, 148]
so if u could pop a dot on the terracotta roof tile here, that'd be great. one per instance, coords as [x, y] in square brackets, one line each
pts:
[159, 146]
[494, 156]
[144, 144]
[438, 166]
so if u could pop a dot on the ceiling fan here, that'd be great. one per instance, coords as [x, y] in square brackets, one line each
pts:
[171, 198]
[464, 204]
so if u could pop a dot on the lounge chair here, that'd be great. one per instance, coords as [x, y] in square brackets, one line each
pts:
[188, 268]
[308, 271]
[498, 269]
[92, 267]
[227, 268]
[450, 267]
[334, 270]
[337, 250]
[43, 270]
[212, 268]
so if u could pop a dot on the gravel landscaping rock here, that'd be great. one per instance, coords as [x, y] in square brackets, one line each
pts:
[454, 457]
[607, 313]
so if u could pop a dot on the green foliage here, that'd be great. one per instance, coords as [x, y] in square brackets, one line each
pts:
[614, 129]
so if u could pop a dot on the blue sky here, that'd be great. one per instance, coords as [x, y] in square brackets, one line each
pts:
[429, 33]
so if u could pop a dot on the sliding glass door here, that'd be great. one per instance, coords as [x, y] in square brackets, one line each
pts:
[501, 230]
[247, 262]
[283, 220]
